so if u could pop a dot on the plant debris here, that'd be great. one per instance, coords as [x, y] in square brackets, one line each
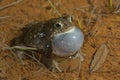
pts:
[11, 4]
[99, 58]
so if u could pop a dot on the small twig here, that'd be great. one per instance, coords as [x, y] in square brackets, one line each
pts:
[111, 3]
[54, 8]
[80, 63]
[21, 48]
[11, 4]
[35, 59]
[3, 47]
[79, 23]
[4, 17]
[90, 3]
[24, 48]
[3, 22]
[110, 37]
[107, 71]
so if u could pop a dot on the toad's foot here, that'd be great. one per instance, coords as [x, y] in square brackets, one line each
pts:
[79, 54]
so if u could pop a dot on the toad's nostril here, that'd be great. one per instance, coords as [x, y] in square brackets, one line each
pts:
[68, 43]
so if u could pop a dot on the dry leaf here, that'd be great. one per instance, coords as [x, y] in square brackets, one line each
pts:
[99, 58]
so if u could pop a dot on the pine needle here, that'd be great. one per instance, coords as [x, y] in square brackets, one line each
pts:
[111, 3]
[4, 17]
[54, 8]
[11, 4]
[21, 48]
[79, 23]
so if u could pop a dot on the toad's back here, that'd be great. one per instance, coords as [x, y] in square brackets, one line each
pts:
[37, 35]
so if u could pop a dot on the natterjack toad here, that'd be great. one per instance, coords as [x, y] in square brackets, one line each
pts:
[57, 36]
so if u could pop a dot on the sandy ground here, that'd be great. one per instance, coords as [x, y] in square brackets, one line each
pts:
[100, 23]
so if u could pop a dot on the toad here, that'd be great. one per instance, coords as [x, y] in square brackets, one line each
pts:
[57, 36]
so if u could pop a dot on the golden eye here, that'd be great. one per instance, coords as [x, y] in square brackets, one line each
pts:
[58, 25]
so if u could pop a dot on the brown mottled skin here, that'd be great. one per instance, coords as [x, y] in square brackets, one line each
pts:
[39, 35]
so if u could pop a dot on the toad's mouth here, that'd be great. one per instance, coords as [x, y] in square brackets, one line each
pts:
[70, 30]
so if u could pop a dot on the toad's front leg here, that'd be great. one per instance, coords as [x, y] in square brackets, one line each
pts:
[80, 56]
[48, 60]
[70, 63]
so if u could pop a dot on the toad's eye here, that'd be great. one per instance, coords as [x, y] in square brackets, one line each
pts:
[68, 18]
[58, 25]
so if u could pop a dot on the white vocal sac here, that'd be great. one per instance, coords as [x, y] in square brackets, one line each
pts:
[68, 43]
